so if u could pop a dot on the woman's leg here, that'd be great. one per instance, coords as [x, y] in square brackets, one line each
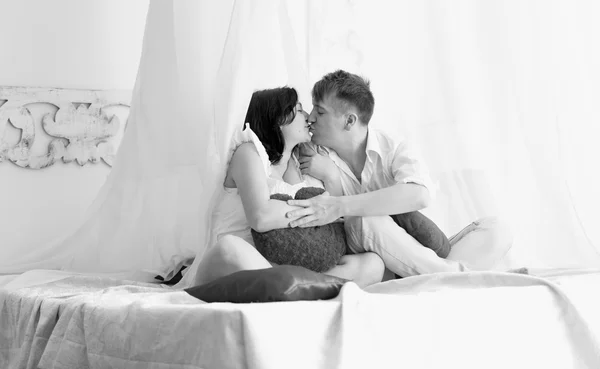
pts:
[363, 269]
[481, 244]
[231, 254]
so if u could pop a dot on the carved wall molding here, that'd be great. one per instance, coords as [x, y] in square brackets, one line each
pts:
[82, 129]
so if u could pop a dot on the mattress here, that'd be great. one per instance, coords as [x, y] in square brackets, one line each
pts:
[466, 320]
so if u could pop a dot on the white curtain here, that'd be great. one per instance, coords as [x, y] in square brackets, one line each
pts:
[200, 63]
[147, 214]
[500, 97]
[503, 100]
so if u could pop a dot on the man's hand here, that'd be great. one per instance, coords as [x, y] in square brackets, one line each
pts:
[317, 211]
[315, 164]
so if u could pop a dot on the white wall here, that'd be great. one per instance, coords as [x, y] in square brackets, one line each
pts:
[91, 44]
[71, 43]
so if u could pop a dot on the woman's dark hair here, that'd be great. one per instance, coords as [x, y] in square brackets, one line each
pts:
[268, 110]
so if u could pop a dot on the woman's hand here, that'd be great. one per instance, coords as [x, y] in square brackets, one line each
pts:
[317, 165]
[319, 210]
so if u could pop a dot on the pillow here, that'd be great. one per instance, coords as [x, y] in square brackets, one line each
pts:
[425, 231]
[280, 283]
[316, 248]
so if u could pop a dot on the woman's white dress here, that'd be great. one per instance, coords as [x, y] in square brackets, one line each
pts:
[228, 216]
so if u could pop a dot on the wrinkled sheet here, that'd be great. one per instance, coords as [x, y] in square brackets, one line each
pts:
[468, 320]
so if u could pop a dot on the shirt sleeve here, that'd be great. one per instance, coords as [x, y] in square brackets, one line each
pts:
[407, 167]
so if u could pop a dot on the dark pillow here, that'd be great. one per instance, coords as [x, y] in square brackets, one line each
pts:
[280, 283]
[316, 248]
[425, 231]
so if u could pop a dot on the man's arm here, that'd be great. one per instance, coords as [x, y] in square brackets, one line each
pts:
[407, 197]
[326, 209]
[409, 193]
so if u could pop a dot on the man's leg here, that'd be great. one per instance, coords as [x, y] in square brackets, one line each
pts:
[481, 244]
[363, 269]
[400, 252]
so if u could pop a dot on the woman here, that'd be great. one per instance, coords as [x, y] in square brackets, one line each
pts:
[265, 162]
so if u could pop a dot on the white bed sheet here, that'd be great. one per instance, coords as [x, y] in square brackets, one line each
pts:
[7, 278]
[468, 320]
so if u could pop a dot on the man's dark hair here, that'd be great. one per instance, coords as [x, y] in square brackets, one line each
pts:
[350, 89]
[268, 110]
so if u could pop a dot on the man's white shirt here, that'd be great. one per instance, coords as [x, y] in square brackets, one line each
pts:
[388, 163]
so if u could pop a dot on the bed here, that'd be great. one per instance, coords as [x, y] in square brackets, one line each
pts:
[59, 319]
[53, 319]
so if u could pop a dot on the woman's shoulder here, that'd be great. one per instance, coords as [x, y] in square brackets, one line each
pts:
[245, 142]
[245, 148]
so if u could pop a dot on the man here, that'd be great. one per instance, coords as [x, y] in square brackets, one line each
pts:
[379, 177]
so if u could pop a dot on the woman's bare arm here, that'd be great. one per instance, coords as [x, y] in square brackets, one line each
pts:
[322, 168]
[246, 170]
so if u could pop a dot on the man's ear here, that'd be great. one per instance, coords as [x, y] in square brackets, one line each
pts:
[351, 120]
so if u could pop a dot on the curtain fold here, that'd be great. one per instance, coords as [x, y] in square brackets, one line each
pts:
[501, 99]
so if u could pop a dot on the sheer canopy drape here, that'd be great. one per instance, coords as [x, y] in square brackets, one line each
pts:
[500, 97]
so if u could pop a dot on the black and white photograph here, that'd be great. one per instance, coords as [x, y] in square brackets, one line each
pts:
[311, 184]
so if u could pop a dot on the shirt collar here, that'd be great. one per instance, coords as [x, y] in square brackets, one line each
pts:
[372, 144]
